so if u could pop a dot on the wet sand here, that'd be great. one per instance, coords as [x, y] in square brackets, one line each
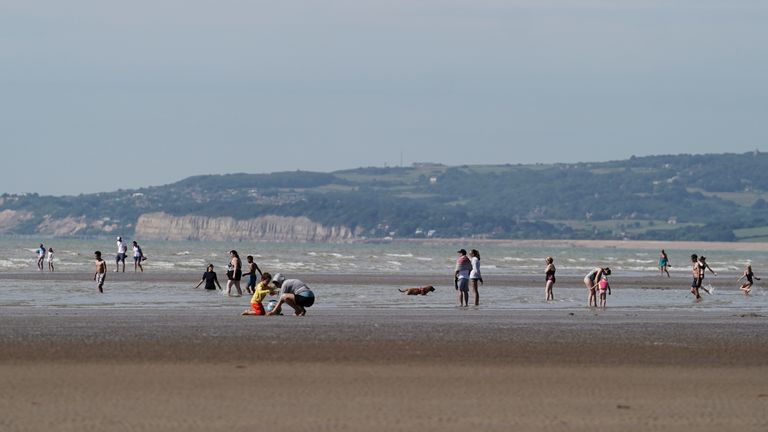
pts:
[395, 280]
[382, 370]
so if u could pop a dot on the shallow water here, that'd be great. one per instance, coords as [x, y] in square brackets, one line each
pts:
[77, 255]
[74, 256]
[138, 294]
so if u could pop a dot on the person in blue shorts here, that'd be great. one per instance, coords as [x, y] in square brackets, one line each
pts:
[294, 293]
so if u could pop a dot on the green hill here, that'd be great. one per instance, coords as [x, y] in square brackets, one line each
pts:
[676, 197]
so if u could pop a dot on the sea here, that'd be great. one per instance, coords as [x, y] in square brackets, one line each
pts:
[74, 257]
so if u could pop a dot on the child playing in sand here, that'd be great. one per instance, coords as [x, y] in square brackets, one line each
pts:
[252, 269]
[747, 286]
[261, 291]
[101, 271]
[603, 286]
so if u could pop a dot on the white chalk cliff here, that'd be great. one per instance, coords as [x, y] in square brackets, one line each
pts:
[162, 226]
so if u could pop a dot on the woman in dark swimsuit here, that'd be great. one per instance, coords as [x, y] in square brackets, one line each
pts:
[550, 277]
[235, 273]
[747, 286]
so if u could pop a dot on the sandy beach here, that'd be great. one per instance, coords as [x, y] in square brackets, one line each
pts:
[97, 369]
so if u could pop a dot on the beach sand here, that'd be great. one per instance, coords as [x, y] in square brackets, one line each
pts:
[382, 370]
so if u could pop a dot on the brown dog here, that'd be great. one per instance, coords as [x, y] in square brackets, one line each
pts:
[418, 291]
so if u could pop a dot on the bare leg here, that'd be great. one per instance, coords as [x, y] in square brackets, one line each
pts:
[290, 300]
[237, 285]
[230, 282]
[747, 287]
[475, 293]
[695, 292]
[548, 290]
[592, 300]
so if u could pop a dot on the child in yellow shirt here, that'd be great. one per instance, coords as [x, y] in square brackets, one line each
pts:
[261, 291]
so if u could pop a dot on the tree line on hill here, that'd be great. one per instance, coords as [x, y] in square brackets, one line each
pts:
[679, 197]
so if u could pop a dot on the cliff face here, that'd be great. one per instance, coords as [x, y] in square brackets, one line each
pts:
[10, 219]
[162, 226]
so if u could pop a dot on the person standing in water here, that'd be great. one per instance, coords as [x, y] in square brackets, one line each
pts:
[549, 274]
[252, 269]
[210, 279]
[40, 257]
[138, 256]
[101, 271]
[663, 263]
[604, 287]
[749, 275]
[590, 281]
[696, 273]
[475, 275]
[122, 250]
[234, 273]
[50, 259]
[461, 277]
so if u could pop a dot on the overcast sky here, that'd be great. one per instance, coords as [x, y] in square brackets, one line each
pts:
[97, 95]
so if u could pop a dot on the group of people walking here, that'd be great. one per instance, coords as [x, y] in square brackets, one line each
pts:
[122, 253]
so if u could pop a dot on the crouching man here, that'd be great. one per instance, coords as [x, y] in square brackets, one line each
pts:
[294, 293]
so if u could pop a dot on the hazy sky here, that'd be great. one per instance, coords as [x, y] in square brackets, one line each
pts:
[97, 95]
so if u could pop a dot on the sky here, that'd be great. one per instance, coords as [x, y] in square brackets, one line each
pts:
[100, 95]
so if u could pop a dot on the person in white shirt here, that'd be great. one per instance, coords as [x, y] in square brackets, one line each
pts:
[122, 250]
[138, 256]
[50, 259]
[474, 275]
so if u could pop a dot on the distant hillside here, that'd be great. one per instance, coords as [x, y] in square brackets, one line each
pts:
[718, 197]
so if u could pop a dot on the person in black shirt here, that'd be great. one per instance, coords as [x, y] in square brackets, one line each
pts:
[209, 277]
